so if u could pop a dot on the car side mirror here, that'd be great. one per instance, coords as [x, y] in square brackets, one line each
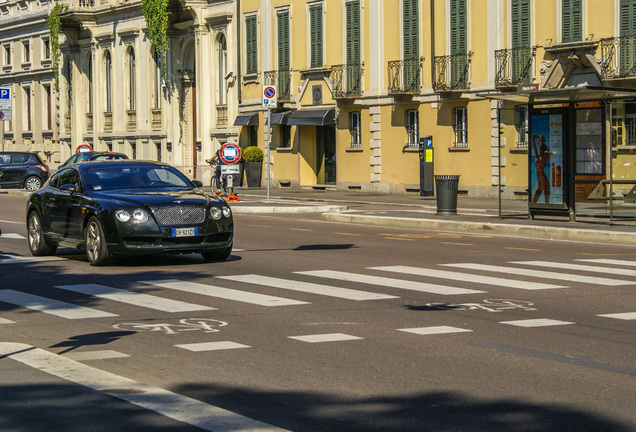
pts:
[68, 188]
[198, 183]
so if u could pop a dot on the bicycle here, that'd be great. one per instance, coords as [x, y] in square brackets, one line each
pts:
[228, 173]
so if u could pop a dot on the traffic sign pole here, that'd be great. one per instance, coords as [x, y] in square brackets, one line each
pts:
[269, 129]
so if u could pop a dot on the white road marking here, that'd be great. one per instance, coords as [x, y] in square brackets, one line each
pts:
[164, 402]
[580, 267]
[212, 346]
[610, 261]
[8, 259]
[307, 287]
[6, 321]
[329, 337]
[134, 298]
[465, 277]
[540, 322]
[389, 282]
[14, 236]
[95, 355]
[622, 316]
[224, 293]
[541, 274]
[50, 306]
[434, 330]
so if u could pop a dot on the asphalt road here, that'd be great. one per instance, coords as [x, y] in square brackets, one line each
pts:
[319, 326]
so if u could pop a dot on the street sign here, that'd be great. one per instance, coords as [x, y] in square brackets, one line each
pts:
[270, 97]
[230, 153]
[5, 103]
[83, 148]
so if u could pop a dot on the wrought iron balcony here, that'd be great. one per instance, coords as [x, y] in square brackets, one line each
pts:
[618, 57]
[452, 72]
[514, 66]
[405, 76]
[346, 80]
[282, 80]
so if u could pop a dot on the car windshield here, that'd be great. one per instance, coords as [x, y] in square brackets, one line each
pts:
[141, 176]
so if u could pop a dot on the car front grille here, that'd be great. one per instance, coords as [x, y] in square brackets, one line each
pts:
[180, 215]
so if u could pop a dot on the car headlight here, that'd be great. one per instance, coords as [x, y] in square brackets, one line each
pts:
[215, 213]
[226, 211]
[137, 216]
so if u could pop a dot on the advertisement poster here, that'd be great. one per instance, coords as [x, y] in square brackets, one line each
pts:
[547, 179]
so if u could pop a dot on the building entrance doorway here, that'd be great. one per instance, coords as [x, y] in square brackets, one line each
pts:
[326, 154]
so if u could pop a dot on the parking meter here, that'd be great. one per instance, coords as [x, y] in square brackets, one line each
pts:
[427, 182]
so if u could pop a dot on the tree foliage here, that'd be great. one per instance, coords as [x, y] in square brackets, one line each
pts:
[156, 15]
[54, 24]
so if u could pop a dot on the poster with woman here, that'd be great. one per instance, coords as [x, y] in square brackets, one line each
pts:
[547, 179]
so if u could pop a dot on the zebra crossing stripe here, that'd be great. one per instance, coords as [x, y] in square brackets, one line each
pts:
[389, 282]
[465, 277]
[610, 261]
[6, 321]
[434, 330]
[23, 260]
[539, 322]
[581, 267]
[224, 293]
[134, 298]
[50, 306]
[212, 346]
[540, 274]
[164, 402]
[329, 337]
[307, 287]
[621, 316]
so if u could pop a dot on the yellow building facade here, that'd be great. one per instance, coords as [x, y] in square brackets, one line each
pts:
[360, 82]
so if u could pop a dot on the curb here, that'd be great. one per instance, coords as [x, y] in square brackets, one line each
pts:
[551, 233]
[269, 209]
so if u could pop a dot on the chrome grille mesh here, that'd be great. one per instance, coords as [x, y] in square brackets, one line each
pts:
[180, 215]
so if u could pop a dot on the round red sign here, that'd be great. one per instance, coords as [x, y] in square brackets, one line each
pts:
[230, 153]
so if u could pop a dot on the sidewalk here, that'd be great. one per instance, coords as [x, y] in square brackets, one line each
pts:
[411, 211]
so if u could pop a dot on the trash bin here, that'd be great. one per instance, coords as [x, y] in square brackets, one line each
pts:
[446, 188]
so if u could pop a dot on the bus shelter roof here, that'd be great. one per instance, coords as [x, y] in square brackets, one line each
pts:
[564, 95]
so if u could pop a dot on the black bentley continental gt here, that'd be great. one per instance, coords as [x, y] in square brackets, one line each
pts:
[127, 207]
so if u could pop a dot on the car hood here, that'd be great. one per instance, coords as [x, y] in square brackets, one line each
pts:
[160, 197]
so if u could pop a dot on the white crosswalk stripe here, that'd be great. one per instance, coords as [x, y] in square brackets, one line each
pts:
[540, 274]
[134, 298]
[8, 259]
[610, 261]
[50, 306]
[224, 293]
[465, 277]
[307, 287]
[389, 282]
[580, 267]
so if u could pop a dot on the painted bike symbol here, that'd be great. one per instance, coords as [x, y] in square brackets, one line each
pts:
[187, 324]
[498, 305]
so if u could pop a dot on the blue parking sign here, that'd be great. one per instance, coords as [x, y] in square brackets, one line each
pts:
[5, 103]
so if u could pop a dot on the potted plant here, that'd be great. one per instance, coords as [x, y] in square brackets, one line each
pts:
[253, 159]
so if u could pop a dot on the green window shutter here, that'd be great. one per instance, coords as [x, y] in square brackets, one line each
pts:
[628, 17]
[572, 20]
[353, 32]
[520, 23]
[251, 45]
[411, 29]
[283, 40]
[458, 27]
[628, 43]
[315, 34]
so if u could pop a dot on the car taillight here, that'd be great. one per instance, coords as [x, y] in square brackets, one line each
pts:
[41, 168]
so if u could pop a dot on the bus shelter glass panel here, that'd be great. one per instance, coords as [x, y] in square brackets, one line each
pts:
[511, 145]
[622, 188]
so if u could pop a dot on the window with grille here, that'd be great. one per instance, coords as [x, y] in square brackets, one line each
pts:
[355, 129]
[158, 77]
[413, 127]
[251, 45]
[522, 126]
[461, 127]
[48, 116]
[7, 55]
[46, 48]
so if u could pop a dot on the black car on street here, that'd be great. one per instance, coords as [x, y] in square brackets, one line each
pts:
[22, 170]
[127, 207]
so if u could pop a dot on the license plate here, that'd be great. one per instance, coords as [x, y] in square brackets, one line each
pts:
[184, 232]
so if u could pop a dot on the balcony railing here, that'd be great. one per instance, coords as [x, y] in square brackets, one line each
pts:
[346, 80]
[282, 80]
[405, 76]
[452, 72]
[514, 66]
[618, 57]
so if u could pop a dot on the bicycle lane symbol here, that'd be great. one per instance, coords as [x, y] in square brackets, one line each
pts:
[206, 325]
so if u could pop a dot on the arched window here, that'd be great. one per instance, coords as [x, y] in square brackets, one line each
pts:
[132, 80]
[222, 70]
[108, 66]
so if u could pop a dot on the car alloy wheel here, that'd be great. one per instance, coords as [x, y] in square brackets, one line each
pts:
[33, 183]
[37, 243]
[96, 248]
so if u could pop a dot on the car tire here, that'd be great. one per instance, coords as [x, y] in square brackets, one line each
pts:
[33, 183]
[95, 242]
[217, 255]
[38, 245]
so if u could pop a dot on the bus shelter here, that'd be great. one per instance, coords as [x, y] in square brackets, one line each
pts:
[574, 150]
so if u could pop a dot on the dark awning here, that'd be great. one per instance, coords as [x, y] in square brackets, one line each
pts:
[312, 117]
[247, 119]
[565, 95]
[279, 118]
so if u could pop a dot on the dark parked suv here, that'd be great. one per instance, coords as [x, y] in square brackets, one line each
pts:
[22, 170]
